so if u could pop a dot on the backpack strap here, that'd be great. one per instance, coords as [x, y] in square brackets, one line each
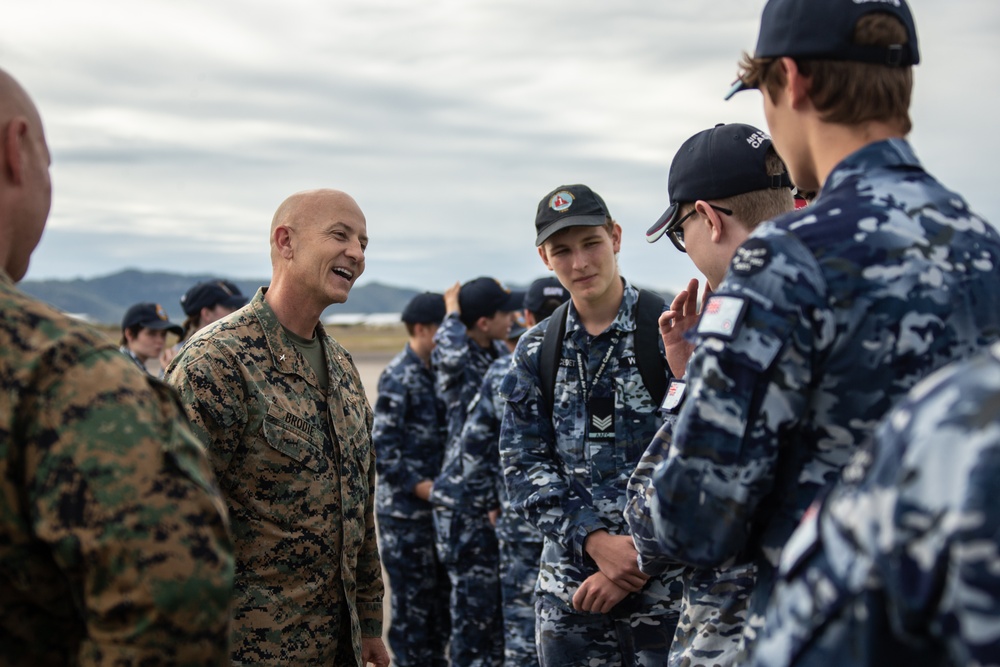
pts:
[652, 364]
[548, 356]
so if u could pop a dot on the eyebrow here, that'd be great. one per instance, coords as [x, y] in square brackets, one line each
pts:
[333, 226]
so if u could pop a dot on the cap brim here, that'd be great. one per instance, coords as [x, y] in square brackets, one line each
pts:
[515, 301]
[570, 221]
[737, 87]
[158, 325]
[654, 233]
[235, 301]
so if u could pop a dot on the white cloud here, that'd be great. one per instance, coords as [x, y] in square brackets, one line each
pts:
[177, 127]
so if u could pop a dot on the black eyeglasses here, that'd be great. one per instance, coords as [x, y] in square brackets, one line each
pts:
[676, 231]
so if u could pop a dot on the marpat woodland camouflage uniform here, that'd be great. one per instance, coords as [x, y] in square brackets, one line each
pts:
[297, 468]
[113, 542]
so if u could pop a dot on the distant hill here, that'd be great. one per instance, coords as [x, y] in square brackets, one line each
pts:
[106, 298]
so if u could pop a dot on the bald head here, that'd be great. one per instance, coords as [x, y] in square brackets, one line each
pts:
[25, 188]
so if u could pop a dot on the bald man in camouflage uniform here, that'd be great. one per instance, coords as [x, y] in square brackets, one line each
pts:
[827, 315]
[898, 565]
[113, 542]
[281, 407]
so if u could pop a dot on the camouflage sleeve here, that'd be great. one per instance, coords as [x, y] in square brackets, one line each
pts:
[450, 357]
[388, 435]
[121, 491]
[216, 399]
[480, 453]
[539, 488]
[745, 388]
[637, 513]
[369, 572]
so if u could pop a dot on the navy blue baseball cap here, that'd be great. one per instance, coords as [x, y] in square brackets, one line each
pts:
[543, 290]
[482, 297]
[212, 293]
[569, 206]
[824, 30]
[725, 161]
[426, 308]
[150, 316]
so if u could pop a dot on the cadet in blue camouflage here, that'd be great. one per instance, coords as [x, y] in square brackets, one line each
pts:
[827, 316]
[281, 407]
[723, 183]
[113, 537]
[566, 470]
[479, 318]
[520, 544]
[409, 439]
[898, 565]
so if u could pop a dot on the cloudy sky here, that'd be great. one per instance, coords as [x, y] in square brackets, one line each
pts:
[178, 127]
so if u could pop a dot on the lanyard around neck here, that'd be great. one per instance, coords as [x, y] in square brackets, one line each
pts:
[586, 386]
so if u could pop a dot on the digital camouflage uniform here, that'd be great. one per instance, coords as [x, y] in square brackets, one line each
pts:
[826, 317]
[714, 602]
[466, 540]
[568, 478]
[113, 542]
[297, 469]
[520, 543]
[899, 564]
[409, 438]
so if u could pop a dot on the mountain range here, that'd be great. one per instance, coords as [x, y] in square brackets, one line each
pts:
[105, 299]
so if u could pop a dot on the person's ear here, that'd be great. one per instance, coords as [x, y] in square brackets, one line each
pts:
[797, 84]
[283, 241]
[710, 218]
[616, 238]
[14, 137]
[545, 257]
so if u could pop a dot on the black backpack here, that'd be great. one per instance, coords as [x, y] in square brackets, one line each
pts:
[652, 364]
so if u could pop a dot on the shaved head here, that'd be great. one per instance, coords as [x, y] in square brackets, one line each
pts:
[25, 187]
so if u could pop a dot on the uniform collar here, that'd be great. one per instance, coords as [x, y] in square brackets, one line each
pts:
[888, 153]
[285, 356]
[624, 321]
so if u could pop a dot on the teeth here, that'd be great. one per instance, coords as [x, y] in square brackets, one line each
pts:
[344, 272]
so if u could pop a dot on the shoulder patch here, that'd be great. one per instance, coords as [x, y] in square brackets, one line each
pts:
[722, 316]
[751, 257]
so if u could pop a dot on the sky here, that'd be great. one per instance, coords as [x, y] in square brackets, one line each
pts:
[176, 128]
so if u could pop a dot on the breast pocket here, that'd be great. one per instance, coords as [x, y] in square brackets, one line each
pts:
[292, 437]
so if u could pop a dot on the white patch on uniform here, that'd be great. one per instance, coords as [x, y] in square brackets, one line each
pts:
[721, 316]
[674, 395]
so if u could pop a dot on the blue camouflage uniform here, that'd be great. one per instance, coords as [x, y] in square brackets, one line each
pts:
[568, 478]
[466, 541]
[714, 601]
[520, 543]
[826, 317]
[899, 563]
[409, 436]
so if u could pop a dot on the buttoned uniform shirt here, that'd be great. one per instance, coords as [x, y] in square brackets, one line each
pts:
[409, 436]
[297, 468]
[898, 564]
[114, 546]
[825, 318]
[567, 475]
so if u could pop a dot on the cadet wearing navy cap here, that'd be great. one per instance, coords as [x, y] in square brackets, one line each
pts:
[144, 332]
[544, 296]
[204, 303]
[480, 315]
[723, 183]
[409, 437]
[567, 456]
[829, 314]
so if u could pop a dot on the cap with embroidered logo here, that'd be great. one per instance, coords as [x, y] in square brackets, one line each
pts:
[824, 30]
[569, 206]
[543, 290]
[725, 161]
